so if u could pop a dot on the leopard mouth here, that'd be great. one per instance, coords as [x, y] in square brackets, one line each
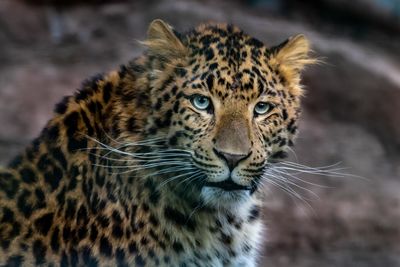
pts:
[228, 185]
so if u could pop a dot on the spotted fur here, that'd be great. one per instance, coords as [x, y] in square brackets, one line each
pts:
[129, 172]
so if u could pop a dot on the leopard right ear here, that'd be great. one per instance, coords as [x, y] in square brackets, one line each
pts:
[163, 42]
[293, 54]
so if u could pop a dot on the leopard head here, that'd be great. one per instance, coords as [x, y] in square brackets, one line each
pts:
[228, 100]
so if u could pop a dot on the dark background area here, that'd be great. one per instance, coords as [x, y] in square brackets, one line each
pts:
[351, 109]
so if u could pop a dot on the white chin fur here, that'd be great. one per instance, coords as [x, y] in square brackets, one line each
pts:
[220, 198]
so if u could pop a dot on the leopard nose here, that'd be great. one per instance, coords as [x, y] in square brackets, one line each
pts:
[232, 160]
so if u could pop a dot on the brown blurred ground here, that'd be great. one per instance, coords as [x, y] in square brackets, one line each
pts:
[351, 114]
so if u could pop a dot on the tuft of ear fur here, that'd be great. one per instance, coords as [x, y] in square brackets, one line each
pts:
[293, 54]
[163, 42]
[290, 57]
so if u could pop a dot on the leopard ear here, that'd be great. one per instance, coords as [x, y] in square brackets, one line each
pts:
[293, 54]
[163, 42]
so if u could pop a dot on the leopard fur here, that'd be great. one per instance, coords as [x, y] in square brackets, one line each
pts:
[132, 171]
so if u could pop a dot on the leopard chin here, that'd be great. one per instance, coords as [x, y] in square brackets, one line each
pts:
[219, 197]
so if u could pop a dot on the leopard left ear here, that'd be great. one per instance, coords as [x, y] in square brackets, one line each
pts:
[293, 54]
[163, 42]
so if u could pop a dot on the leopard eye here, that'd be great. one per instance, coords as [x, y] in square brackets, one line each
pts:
[262, 108]
[201, 102]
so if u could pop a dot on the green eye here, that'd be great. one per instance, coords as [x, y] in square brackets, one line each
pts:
[262, 108]
[201, 102]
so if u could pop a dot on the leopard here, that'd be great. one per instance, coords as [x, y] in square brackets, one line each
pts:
[162, 161]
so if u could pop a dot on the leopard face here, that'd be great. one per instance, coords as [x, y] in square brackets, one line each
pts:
[228, 100]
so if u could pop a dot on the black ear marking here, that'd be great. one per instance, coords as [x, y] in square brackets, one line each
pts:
[276, 48]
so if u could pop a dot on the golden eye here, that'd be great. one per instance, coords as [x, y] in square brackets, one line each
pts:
[201, 102]
[262, 108]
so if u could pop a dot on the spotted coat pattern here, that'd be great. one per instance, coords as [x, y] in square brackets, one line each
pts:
[130, 172]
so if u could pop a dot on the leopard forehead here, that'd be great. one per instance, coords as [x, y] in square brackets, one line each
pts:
[226, 61]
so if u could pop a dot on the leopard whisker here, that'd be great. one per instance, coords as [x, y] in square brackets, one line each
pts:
[141, 166]
[292, 193]
[287, 181]
[302, 166]
[171, 169]
[283, 172]
[155, 154]
[172, 179]
[154, 139]
[293, 152]
[192, 178]
[177, 166]
[147, 155]
[329, 173]
[286, 188]
[144, 159]
[202, 204]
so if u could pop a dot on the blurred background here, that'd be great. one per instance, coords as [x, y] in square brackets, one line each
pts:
[351, 109]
